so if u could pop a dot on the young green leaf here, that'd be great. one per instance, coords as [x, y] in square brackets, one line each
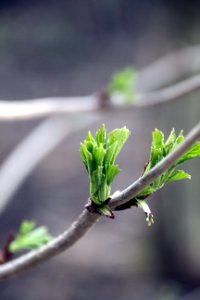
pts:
[193, 152]
[112, 171]
[26, 227]
[122, 84]
[99, 160]
[29, 237]
[118, 136]
[159, 150]
[101, 136]
[178, 175]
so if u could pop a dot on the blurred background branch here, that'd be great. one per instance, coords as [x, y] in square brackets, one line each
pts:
[173, 92]
[168, 69]
[38, 144]
[29, 109]
[35, 108]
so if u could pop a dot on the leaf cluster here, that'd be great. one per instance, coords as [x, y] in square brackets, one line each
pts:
[160, 149]
[122, 84]
[98, 155]
[29, 237]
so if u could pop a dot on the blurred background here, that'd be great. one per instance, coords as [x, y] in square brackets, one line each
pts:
[71, 48]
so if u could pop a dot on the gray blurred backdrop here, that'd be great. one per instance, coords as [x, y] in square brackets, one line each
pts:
[66, 48]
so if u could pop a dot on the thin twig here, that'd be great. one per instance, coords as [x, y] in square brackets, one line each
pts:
[31, 109]
[68, 238]
[35, 108]
[87, 219]
[169, 68]
[40, 142]
[171, 93]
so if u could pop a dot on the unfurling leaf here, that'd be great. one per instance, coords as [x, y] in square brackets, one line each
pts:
[26, 227]
[159, 150]
[98, 155]
[192, 153]
[121, 86]
[29, 237]
[178, 175]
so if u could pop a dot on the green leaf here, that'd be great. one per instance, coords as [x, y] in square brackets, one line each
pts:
[179, 139]
[86, 157]
[122, 83]
[158, 139]
[90, 146]
[122, 80]
[110, 153]
[26, 227]
[112, 171]
[98, 155]
[101, 135]
[103, 190]
[120, 136]
[90, 138]
[178, 175]
[30, 237]
[192, 153]
[159, 150]
[170, 142]
[96, 185]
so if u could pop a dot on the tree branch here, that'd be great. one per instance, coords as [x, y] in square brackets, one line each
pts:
[31, 109]
[168, 94]
[87, 219]
[54, 247]
[40, 142]
[168, 69]
[35, 108]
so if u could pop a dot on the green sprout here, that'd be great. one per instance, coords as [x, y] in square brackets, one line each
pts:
[122, 85]
[98, 155]
[29, 237]
[159, 150]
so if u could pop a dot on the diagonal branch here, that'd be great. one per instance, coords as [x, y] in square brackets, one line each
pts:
[169, 68]
[54, 247]
[40, 142]
[87, 219]
[132, 190]
[170, 93]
